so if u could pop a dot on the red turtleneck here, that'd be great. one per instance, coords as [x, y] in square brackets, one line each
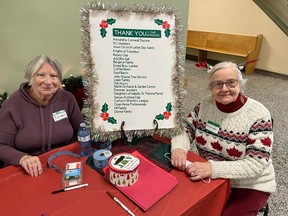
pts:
[234, 106]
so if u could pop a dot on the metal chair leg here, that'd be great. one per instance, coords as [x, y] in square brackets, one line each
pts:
[265, 210]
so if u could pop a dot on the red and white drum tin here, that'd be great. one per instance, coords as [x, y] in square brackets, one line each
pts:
[123, 169]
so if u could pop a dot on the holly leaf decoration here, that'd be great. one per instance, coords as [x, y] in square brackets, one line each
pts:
[111, 21]
[158, 21]
[103, 32]
[105, 115]
[159, 117]
[104, 108]
[112, 120]
[169, 107]
[167, 32]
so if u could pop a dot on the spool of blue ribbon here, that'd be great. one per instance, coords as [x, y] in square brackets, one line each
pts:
[101, 158]
[104, 145]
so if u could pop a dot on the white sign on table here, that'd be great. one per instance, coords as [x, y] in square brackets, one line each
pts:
[132, 72]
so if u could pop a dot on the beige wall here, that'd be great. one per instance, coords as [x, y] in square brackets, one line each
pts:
[241, 17]
[32, 27]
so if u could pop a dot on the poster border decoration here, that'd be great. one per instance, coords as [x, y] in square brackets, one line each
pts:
[91, 79]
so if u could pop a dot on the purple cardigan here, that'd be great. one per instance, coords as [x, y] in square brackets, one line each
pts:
[28, 128]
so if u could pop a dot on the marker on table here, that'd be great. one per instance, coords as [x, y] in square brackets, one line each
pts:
[120, 203]
[70, 188]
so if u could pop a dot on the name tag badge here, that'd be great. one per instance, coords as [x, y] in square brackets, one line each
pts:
[57, 116]
[212, 127]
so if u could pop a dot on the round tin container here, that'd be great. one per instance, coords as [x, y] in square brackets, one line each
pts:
[123, 169]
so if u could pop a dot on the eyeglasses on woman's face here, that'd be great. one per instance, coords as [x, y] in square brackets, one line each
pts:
[230, 83]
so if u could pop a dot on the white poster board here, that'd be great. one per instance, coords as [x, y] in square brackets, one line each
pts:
[132, 70]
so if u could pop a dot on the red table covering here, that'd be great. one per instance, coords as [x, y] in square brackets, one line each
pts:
[22, 194]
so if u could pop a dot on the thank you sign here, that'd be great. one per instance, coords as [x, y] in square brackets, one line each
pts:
[133, 69]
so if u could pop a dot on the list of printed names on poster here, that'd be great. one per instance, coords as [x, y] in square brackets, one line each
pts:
[131, 88]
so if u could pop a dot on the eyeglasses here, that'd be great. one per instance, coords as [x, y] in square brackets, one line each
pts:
[217, 85]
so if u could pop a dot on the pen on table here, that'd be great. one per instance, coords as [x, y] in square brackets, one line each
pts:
[70, 188]
[120, 203]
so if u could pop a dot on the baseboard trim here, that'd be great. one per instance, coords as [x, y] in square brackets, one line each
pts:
[271, 74]
[192, 57]
[259, 71]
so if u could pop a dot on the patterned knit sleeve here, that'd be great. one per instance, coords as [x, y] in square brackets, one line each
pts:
[257, 157]
[184, 140]
[190, 123]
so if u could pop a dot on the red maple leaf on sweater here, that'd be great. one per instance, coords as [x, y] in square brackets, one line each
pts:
[194, 122]
[250, 141]
[216, 145]
[266, 142]
[201, 140]
[234, 152]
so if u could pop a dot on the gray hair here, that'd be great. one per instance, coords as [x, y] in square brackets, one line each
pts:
[233, 66]
[35, 64]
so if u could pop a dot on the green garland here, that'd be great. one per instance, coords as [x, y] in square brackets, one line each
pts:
[3, 97]
[72, 83]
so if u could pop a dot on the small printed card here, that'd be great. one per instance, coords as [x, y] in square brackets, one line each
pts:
[73, 174]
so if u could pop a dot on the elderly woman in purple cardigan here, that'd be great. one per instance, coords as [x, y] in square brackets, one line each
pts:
[38, 117]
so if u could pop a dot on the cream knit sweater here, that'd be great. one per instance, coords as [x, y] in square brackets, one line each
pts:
[238, 145]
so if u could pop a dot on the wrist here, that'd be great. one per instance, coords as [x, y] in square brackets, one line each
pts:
[23, 158]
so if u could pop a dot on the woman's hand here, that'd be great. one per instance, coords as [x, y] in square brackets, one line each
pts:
[32, 165]
[178, 158]
[199, 170]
